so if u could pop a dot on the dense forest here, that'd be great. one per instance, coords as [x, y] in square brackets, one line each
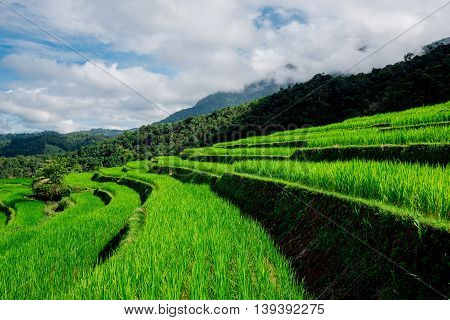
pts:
[324, 99]
[49, 142]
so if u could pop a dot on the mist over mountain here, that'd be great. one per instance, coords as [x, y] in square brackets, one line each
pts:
[221, 100]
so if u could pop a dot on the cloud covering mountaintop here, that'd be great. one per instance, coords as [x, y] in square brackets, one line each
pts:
[176, 52]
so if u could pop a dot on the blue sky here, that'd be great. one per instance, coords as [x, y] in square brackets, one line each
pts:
[19, 42]
[175, 52]
[279, 17]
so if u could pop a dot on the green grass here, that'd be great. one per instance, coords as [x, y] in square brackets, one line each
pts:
[15, 194]
[3, 219]
[211, 167]
[399, 137]
[414, 116]
[193, 245]
[141, 165]
[353, 131]
[371, 136]
[422, 190]
[240, 152]
[67, 246]
[18, 236]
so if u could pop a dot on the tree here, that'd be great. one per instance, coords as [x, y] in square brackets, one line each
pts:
[49, 184]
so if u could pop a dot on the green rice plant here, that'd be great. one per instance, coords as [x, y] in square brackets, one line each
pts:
[212, 167]
[138, 165]
[370, 136]
[15, 193]
[414, 116]
[3, 219]
[193, 245]
[18, 236]
[16, 181]
[239, 152]
[365, 126]
[421, 189]
[399, 137]
[67, 246]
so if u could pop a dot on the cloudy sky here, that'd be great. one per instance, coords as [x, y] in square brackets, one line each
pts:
[174, 52]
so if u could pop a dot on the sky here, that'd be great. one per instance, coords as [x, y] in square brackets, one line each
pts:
[141, 60]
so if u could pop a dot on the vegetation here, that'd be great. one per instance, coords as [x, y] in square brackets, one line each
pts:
[193, 245]
[240, 152]
[20, 166]
[362, 131]
[221, 100]
[421, 189]
[14, 194]
[124, 233]
[322, 100]
[67, 246]
[175, 261]
[48, 142]
[428, 153]
[49, 185]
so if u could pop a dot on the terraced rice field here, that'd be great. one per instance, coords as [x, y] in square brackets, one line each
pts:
[354, 131]
[19, 210]
[193, 245]
[394, 166]
[183, 242]
[267, 225]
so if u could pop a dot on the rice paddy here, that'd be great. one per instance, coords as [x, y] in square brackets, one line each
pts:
[239, 152]
[66, 246]
[185, 241]
[368, 130]
[193, 245]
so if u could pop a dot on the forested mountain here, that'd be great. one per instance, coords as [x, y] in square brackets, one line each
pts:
[417, 81]
[49, 142]
[221, 100]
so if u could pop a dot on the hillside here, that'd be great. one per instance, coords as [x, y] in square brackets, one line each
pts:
[324, 99]
[292, 211]
[323, 192]
[221, 100]
[50, 143]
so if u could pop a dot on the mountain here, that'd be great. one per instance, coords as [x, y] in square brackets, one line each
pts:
[421, 80]
[221, 100]
[49, 142]
[436, 44]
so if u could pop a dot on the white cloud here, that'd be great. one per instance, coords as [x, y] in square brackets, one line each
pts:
[213, 45]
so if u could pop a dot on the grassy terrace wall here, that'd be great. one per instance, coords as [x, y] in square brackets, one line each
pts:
[291, 144]
[421, 153]
[423, 125]
[188, 175]
[104, 195]
[7, 211]
[339, 246]
[143, 189]
[342, 247]
[231, 159]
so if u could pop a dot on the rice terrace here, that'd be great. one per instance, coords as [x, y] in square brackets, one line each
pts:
[225, 159]
[355, 212]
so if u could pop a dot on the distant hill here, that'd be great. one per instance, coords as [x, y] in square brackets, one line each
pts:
[104, 132]
[431, 46]
[419, 80]
[324, 99]
[49, 142]
[221, 100]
